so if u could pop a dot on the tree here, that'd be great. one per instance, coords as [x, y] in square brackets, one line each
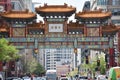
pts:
[93, 65]
[39, 69]
[102, 65]
[7, 51]
[31, 65]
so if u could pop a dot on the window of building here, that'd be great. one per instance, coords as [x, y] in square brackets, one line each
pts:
[115, 12]
[13, 5]
[115, 2]
[116, 21]
[102, 2]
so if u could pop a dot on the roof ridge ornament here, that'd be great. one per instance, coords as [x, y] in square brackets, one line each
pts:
[65, 5]
[27, 10]
[45, 4]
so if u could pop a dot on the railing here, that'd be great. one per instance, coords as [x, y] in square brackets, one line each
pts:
[61, 42]
[59, 39]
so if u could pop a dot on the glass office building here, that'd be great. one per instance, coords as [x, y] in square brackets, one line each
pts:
[21, 4]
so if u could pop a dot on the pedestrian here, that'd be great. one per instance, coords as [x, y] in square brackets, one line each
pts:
[71, 78]
[89, 75]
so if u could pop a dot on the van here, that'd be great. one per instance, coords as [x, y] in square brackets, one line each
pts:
[114, 73]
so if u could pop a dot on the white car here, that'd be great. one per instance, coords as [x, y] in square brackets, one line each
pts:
[101, 77]
[26, 78]
[64, 78]
[40, 78]
[18, 79]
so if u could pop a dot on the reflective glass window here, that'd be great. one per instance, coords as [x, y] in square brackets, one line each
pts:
[115, 2]
[102, 2]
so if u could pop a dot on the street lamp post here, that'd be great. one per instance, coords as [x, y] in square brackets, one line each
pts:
[118, 59]
[75, 51]
[5, 70]
[98, 62]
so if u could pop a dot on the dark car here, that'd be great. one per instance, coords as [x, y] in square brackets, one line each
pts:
[12, 78]
[83, 78]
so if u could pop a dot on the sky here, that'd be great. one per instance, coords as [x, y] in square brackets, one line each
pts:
[75, 3]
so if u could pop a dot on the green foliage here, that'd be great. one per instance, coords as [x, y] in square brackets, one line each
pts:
[102, 65]
[39, 69]
[32, 65]
[92, 65]
[7, 51]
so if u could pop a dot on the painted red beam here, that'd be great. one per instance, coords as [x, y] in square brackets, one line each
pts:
[3, 3]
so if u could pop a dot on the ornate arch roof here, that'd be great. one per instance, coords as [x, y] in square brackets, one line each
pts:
[111, 28]
[93, 14]
[18, 14]
[55, 9]
[4, 28]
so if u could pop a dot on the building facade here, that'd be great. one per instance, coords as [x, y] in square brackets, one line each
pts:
[86, 6]
[99, 4]
[5, 5]
[54, 56]
[91, 30]
[114, 7]
[22, 5]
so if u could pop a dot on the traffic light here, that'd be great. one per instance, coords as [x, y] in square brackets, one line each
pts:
[12, 65]
[4, 63]
[36, 51]
[106, 58]
[98, 62]
[107, 65]
[75, 50]
[87, 60]
[86, 51]
[96, 69]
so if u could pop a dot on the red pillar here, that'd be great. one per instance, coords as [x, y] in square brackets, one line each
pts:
[111, 57]
[118, 48]
[11, 66]
[1, 66]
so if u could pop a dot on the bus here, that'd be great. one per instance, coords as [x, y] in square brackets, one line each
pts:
[51, 75]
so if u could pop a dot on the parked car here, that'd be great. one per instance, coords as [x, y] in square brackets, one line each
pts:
[83, 78]
[39, 78]
[101, 77]
[12, 78]
[26, 78]
[64, 78]
[18, 79]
